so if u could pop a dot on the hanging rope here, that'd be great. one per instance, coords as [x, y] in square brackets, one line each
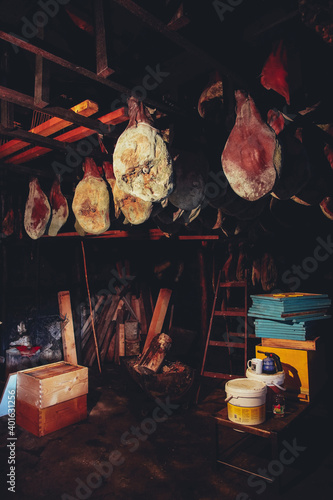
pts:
[90, 307]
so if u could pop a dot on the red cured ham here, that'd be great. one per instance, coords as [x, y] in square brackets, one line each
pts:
[91, 200]
[251, 157]
[37, 211]
[274, 73]
[8, 223]
[275, 120]
[59, 207]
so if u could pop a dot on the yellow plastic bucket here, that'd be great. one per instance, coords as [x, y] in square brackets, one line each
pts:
[246, 401]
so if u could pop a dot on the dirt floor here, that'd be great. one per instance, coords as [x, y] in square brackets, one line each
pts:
[134, 448]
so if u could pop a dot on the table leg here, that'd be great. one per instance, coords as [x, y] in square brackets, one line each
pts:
[275, 456]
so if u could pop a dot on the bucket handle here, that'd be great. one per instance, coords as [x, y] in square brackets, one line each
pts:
[279, 387]
[230, 397]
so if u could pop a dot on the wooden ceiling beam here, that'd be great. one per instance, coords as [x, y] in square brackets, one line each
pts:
[38, 50]
[77, 134]
[50, 127]
[102, 66]
[26, 101]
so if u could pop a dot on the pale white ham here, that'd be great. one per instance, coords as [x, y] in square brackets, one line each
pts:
[141, 162]
[91, 200]
[251, 158]
[37, 211]
[135, 210]
[59, 207]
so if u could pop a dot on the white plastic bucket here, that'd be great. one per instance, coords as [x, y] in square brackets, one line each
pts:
[246, 401]
[274, 382]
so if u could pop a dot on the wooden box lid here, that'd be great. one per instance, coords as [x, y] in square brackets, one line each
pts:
[51, 384]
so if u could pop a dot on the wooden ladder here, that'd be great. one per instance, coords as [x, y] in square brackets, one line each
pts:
[224, 288]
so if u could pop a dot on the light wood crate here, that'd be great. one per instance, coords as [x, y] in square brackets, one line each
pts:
[51, 384]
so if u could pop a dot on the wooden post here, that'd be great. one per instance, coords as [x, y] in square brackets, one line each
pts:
[203, 294]
[102, 66]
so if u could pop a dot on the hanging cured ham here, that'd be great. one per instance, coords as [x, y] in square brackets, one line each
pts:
[189, 173]
[135, 210]
[91, 200]
[268, 272]
[8, 223]
[141, 162]
[59, 207]
[37, 211]
[211, 98]
[274, 74]
[251, 157]
[327, 207]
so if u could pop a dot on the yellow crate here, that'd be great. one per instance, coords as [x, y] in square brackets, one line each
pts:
[305, 371]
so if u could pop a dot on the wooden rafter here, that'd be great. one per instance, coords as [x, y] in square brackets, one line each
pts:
[77, 134]
[102, 67]
[26, 101]
[49, 127]
[39, 50]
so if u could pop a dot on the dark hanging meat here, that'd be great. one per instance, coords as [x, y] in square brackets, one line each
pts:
[329, 149]
[268, 272]
[295, 168]
[37, 211]
[230, 265]
[8, 223]
[318, 15]
[274, 74]
[141, 162]
[211, 98]
[59, 207]
[275, 120]
[91, 200]
[135, 210]
[252, 156]
[256, 272]
[242, 262]
[320, 182]
[189, 176]
[327, 207]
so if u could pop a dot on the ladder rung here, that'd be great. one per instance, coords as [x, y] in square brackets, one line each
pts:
[242, 334]
[218, 375]
[231, 311]
[220, 343]
[229, 284]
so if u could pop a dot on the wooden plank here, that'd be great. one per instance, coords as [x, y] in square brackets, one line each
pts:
[79, 133]
[42, 421]
[121, 339]
[50, 127]
[90, 347]
[103, 331]
[306, 345]
[157, 321]
[67, 328]
[87, 327]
